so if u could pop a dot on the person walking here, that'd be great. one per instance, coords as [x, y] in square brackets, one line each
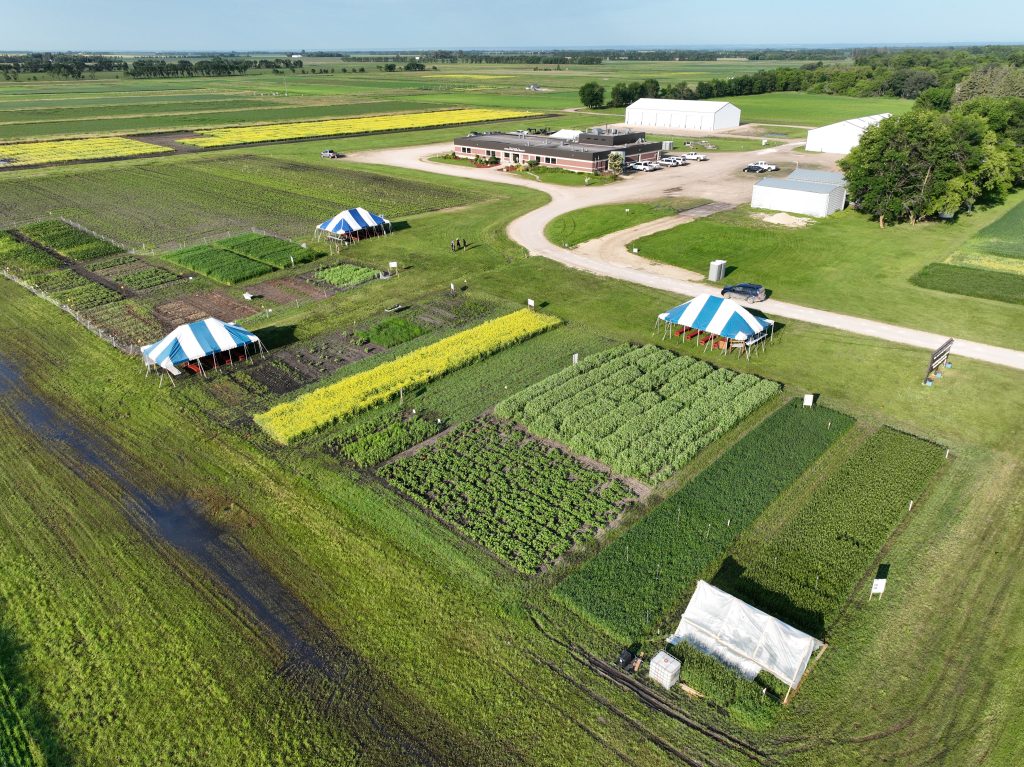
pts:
[453, 246]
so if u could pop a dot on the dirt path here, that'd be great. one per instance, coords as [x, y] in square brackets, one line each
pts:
[702, 180]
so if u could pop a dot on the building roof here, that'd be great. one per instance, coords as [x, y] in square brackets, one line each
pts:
[796, 185]
[860, 124]
[680, 105]
[818, 176]
[552, 147]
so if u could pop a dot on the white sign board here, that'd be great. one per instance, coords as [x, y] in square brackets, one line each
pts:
[392, 264]
[808, 400]
[530, 303]
[878, 586]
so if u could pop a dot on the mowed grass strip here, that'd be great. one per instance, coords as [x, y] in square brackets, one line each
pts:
[586, 224]
[347, 126]
[969, 281]
[289, 420]
[642, 575]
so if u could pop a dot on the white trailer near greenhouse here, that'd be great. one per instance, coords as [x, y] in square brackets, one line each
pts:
[682, 114]
[744, 638]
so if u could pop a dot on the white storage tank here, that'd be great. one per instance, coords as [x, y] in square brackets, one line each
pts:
[665, 670]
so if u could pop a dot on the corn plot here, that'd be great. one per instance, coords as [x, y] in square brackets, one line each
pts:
[642, 411]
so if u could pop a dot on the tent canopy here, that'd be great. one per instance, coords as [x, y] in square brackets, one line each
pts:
[718, 316]
[744, 637]
[194, 341]
[353, 220]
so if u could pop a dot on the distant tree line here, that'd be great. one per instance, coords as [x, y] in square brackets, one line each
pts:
[218, 66]
[933, 73]
[67, 65]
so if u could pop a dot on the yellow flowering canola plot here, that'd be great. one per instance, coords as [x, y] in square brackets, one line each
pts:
[358, 392]
[347, 125]
[37, 152]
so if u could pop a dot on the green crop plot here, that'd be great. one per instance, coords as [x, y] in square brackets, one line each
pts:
[970, 281]
[16, 746]
[395, 331]
[279, 254]
[642, 411]
[144, 279]
[219, 264]
[813, 109]
[208, 197]
[1004, 236]
[346, 275]
[382, 434]
[69, 241]
[804, 572]
[653, 568]
[524, 501]
[22, 259]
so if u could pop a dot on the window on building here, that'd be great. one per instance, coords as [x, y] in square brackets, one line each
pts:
[466, 150]
[505, 155]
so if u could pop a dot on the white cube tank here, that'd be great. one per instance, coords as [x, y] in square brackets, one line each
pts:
[665, 670]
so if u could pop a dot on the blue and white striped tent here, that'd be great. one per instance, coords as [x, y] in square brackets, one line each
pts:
[720, 317]
[355, 221]
[187, 343]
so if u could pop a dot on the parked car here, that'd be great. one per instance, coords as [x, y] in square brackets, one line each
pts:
[749, 291]
[670, 162]
[760, 167]
[645, 166]
[695, 157]
[329, 154]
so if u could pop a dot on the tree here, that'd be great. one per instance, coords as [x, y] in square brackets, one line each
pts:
[998, 81]
[592, 95]
[926, 163]
[650, 88]
[936, 98]
[414, 66]
[616, 162]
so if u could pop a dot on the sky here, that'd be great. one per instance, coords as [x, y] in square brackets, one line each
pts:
[295, 25]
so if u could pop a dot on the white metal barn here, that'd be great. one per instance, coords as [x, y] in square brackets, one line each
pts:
[682, 114]
[841, 137]
[816, 193]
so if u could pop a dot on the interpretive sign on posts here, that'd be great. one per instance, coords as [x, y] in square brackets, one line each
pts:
[808, 400]
[530, 303]
[939, 359]
[393, 267]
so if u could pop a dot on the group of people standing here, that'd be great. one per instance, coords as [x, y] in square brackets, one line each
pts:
[458, 244]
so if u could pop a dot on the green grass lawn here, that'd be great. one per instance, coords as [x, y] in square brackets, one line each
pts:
[570, 229]
[813, 109]
[721, 143]
[379, 572]
[843, 263]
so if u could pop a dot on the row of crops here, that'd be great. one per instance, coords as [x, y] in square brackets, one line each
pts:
[651, 570]
[68, 150]
[524, 501]
[805, 571]
[643, 411]
[386, 433]
[241, 258]
[216, 137]
[327, 404]
[124, 320]
[16, 746]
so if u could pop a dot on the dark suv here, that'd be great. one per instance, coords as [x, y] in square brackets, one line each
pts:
[746, 290]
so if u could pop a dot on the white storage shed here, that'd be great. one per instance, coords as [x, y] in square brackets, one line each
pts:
[806, 192]
[682, 114]
[841, 137]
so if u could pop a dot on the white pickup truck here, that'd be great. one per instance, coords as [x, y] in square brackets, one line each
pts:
[645, 165]
[694, 156]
